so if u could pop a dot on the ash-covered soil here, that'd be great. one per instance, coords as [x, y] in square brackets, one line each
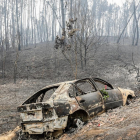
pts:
[122, 123]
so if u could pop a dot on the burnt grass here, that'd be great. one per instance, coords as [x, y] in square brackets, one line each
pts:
[37, 67]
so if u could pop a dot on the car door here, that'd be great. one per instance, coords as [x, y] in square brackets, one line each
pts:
[88, 97]
[114, 98]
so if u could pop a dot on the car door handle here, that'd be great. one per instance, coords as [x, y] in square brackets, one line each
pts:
[82, 101]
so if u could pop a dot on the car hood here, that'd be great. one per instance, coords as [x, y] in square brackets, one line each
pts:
[127, 91]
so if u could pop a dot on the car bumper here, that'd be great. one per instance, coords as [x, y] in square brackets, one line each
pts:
[41, 127]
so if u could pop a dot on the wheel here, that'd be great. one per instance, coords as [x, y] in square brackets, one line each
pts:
[76, 120]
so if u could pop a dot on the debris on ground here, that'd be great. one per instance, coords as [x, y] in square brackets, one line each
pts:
[79, 123]
[117, 124]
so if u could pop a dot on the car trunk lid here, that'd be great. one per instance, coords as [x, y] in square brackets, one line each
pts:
[35, 112]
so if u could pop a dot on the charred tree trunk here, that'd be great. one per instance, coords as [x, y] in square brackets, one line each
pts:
[63, 16]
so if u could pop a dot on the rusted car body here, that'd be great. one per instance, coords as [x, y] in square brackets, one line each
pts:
[78, 99]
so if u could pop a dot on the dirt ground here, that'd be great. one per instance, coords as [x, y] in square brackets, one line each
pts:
[117, 124]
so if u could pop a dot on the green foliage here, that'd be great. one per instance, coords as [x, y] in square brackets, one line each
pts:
[105, 94]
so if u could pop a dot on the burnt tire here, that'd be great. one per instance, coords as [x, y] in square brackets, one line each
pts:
[77, 119]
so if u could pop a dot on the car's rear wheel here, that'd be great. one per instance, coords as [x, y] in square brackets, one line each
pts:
[77, 119]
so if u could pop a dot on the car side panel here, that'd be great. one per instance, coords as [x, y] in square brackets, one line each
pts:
[62, 108]
[91, 102]
[126, 93]
[114, 100]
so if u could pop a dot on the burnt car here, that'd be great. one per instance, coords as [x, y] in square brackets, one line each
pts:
[71, 100]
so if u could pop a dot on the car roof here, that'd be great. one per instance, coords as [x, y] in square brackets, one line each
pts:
[55, 85]
[47, 87]
[58, 84]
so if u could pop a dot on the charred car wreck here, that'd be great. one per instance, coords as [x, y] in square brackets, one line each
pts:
[71, 100]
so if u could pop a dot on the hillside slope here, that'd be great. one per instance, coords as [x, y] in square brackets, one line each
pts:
[118, 124]
[46, 66]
